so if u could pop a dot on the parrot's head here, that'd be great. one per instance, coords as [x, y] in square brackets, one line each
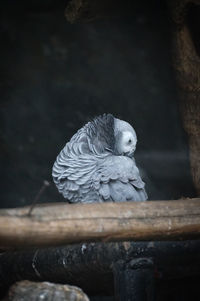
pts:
[125, 138]
[112, 134]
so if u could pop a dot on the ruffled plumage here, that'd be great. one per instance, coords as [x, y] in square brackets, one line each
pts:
[86, 170]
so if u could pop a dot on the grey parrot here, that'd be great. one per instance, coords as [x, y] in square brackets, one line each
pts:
[97, 164]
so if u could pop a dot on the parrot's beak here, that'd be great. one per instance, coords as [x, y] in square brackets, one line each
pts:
[130, 154]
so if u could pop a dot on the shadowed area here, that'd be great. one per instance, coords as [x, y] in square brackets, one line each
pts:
[55, 76]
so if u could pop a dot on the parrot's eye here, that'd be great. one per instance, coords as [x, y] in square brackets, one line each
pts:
[129, 141]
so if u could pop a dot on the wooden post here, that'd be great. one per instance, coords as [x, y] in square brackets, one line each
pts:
[187, 65]
[134, 280]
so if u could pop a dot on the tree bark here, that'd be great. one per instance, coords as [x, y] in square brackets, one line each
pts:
[187, 65]
[59, 224]
[91, 265]
[134, 280]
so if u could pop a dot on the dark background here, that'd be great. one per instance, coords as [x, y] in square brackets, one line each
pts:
[55, 76]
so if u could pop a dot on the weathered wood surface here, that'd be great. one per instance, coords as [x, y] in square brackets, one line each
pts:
[59, 224]
[186, 56]
[31, 291]
[91, 265]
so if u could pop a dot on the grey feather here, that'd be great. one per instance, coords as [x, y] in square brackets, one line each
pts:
[92, 168]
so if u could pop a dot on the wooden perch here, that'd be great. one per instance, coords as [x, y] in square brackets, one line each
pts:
[58, 224]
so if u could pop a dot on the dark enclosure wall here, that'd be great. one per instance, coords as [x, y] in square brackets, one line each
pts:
[55, 76]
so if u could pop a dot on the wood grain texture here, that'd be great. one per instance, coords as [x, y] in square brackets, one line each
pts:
[59, 224]
[187, 65]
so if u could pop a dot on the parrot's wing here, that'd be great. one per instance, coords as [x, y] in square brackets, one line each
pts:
[77, 162]
[117, 178]
[97, 135]
[73, 170]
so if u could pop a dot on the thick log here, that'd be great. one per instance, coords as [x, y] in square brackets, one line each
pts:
[134, 280]
[91, 265]
[58, 224]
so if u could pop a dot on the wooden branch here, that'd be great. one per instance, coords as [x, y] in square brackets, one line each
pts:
[58, 224]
